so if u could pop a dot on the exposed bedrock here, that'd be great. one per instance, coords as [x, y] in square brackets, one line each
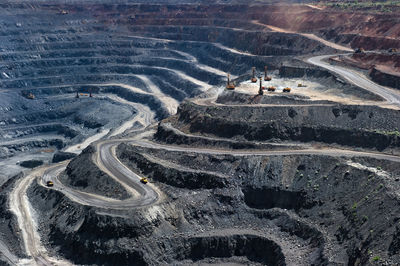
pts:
[8, 150]
[253, 247]
[31, 163]
[232, 98]
[11, 236]
[360, 126]
[62, 156]
[89, 178]
[263, 43]
[178, 177]
[303, 209]
[26, 130]
[343, 196]
[168, 134]
[385, 79]
[82, 234]
[268, 198]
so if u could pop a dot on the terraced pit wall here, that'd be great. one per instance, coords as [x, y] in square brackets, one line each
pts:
[360, 126]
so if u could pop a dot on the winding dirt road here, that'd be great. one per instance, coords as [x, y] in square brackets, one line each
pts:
[144, 195]
[358, 79]
[307, 35]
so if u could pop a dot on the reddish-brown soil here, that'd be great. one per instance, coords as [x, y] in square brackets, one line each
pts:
[384, 68]
[365, 29]
[385, 62]
[357, 29]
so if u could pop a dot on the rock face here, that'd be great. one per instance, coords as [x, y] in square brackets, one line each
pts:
[62, 156]
[9, 225]
[361, 126]
[80, 176]
[31, 163]
[215, 207]
[273, 210]
[384, 78]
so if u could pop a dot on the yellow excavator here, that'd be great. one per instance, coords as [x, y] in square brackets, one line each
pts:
[271, 88]
[144, 180]
[266, 77]
[253, 77]
[230, 85]
[31, 96]
[287, 89]
[49, 183]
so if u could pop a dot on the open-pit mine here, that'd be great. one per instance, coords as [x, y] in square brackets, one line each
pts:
[199, 133]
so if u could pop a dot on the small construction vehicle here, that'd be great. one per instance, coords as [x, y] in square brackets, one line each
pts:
[287, 89]
[266, 77]
[49, 183]
[360, 50]
[253, 77]
[301, 85]
[271, 88]
[230, 85]
[30, 96]
[144, 180]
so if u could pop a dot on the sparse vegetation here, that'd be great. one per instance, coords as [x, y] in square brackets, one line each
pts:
[377, 6]
[376, 258]
[388, 133]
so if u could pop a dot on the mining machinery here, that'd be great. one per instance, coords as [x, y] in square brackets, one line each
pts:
[230, 85]
[266, 77]
[271, 88]
[30, 96]
[261, 90]
[360, 50]
[253, 77]
[287, 89]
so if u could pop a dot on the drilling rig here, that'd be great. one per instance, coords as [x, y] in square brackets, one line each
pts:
[266, 77]
[261, 90]
[253, 77]
[230, 85]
